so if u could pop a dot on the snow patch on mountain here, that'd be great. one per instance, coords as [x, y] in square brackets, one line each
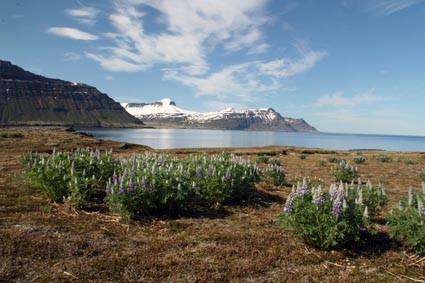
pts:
[167, 108]
[166, 112]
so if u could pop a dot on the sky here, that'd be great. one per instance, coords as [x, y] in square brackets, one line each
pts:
[345, 66]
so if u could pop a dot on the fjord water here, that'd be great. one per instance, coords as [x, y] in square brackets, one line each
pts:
[191, 138]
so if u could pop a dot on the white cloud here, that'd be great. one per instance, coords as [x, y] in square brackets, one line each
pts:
[388, 7]
[244, 80]
[339, 100]
[110, 78]
[192, 29]
[115, 63]
[72, 33]
[84, 15]
[72, 56]
[362, 121]
[180, 40]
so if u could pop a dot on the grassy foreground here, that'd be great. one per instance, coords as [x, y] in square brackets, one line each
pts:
[40, 241]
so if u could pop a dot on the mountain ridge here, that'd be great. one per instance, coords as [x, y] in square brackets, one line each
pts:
[30, 99]
[165, 113]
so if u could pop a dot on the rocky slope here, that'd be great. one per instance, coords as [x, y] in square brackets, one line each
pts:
[165, 113]
[30, 99]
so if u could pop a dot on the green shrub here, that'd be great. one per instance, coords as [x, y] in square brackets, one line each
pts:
[69, 176]
[407, 223]
[11, 135]
[422, 175]
[274, 161]
[311, 182]
[322, 162]
[221, 178]
[325, 219]
[336, 160]
[153, 183]
[274, 174]
[302, 156]
[383, 158]
[150, 183]
[262, 159]
[410, 162]
[359, 159]
[374, 198]
[344, 172]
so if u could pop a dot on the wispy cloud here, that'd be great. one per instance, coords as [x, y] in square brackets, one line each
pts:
[72, 56]
[246, 79]
[84, 15]
[192, 30]
[388, 7]
[182, 44]
[361, 120]
[72, 33]
[341, 100]
[115, 63]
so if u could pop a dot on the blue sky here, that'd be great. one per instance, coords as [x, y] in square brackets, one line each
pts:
[351, 66]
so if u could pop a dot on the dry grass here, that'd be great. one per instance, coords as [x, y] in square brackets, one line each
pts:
[46, 242]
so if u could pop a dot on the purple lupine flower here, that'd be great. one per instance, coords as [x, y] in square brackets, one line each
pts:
[121, 189]
[114, 178]
[210, 170]
[143, 184]
[131, 187]
[337, 207]
[287, 209]
[303, 190]
[422, 210]
[227, 177]
[199, 172]
[319, 198]
[333, 194]
[108, 189]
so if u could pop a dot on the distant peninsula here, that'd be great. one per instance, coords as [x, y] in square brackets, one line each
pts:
[166, 114]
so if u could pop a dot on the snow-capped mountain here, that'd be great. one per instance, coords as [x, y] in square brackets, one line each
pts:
[165, 113]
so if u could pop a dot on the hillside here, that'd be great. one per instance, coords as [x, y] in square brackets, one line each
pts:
[165, 113]
[30, 99]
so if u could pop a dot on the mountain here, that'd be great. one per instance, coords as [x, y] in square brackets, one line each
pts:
[30, 99]
[165, 113]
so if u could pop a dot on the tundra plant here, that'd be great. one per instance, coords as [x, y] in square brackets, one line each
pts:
[407, 222]
[325, 219]
[70, 176]
[422, 175]
[221, 178]
[345, 172]
[149, 183]
[274, 174]
[154, 183]
[360, 159]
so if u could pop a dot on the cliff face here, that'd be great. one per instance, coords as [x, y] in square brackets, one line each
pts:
[30, 99]
[165, 113]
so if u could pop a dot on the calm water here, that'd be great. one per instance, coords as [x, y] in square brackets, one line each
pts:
[186, 138]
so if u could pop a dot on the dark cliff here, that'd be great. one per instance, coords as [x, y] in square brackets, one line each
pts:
[30, 99]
